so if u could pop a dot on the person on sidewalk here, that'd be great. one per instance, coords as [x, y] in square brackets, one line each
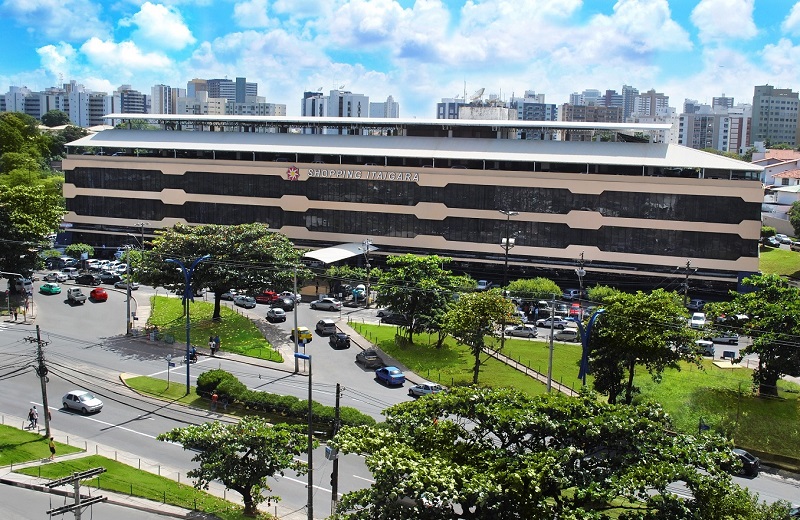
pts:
[217, 342]
[214, 399]
[212, 346]
[30, 418]
[52, 449]
[35, 417]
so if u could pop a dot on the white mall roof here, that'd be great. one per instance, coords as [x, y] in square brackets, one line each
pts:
[612, 153]
[329, 255]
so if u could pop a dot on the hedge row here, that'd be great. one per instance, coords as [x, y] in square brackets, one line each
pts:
[229, 387]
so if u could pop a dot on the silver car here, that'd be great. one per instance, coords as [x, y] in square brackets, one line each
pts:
[522, 331]
[327, 304]
[248, 302]
[82, 401]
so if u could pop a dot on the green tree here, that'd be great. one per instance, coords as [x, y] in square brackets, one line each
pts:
[27, 215]
[246, 256]
[76, 250]
[647, 329]
[479, 453]
[794, 217]
[773, 308]
[599, 293]
[243, 455]
[64, 136]
[533, 289]
[55, 118]
[415, 286]
[476, 316]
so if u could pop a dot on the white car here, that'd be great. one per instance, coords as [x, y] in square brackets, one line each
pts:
[330, 304]
[484, 285]
[122, 284]
[698, 320]
[82, 401]
[248, 302]
[567, 335]
[522, 331]
[55, 277]
[295, 297]
[425, 389]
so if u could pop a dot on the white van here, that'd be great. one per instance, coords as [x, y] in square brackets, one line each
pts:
[566, 335]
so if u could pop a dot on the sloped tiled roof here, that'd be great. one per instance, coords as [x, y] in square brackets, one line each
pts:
[785, 155]
[788, 174]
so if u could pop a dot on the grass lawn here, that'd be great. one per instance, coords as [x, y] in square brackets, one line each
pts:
[716, 395]
[128, 480]
[779, 261]
[176, 391]
[237, 333]
[18, 446]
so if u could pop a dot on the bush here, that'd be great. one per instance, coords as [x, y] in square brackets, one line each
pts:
[768, 231]
[227, 385]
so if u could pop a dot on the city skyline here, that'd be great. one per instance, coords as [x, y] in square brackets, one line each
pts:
[416, 51]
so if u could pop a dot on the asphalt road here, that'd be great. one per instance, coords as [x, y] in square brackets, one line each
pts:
[86, 348]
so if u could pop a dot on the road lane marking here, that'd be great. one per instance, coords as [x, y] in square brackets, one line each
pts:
[362, 478]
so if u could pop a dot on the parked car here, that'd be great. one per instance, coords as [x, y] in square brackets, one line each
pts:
[369, 358]
[783, 239]
[395, 319]
[697, 321]
[248, 302]
[228, 295]
[110, 277]
[696, 304]
[575, 311]
[303, 334]
[384, 312]
[330, 304]
[795, 246]
[557, 323]
[326, 326]
[55, 277]
[425, 389]
[50, 288]
[276, 314]
[123, 284]
[70, 272]
[88, 279]
[266, 297]
[339, 340]
[286, 304]
[571, 294]
[82, 401]
[22, 285]
[484, 285]
[705, 347]
[567, 335]
[390, 376]
[522, 331]
[98, 294]
[750, 463]
[731, 338]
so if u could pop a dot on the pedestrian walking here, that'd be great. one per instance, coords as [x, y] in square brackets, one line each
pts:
[214, 399]
[52, 449]
[217, 342]
[30, 418]
[212, 346]
[15, 313]
[35, 417]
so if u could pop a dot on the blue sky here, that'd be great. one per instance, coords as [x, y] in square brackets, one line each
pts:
[416, 51]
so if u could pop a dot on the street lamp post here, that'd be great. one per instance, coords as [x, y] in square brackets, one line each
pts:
[310, 504]
[128, 323]
[366, 246]
[581, 272]
[187, 295]
[507, 242]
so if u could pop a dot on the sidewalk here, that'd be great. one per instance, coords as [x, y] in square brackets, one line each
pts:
[8, 476]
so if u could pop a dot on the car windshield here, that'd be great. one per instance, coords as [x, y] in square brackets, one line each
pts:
[85, 397]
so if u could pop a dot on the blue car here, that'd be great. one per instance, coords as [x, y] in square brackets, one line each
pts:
[390, 376]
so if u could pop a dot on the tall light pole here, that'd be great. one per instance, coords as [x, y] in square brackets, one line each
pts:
[581, 272]
[141, 226]
[310, 504]
[365, 247]
[187, 296]
[507, 242]
[128, 323]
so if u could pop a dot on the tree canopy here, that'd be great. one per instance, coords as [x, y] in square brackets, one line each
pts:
[476, 316]
[243, 455]
[773, 307]
[533, 288]
[647, 329]
[55, 118]
[794, 217]
[246, 256]
[478, 453]
[416, 286]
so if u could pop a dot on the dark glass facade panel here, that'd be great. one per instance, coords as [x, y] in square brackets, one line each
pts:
[552, 235]
[658, 206]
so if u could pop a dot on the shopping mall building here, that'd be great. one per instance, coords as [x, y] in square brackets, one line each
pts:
[629, 207]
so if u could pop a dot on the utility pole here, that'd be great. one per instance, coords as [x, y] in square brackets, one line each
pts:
[550, 360]
[41, 371]
[335, 469]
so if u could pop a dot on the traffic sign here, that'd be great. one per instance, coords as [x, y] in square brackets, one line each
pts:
[171, 364]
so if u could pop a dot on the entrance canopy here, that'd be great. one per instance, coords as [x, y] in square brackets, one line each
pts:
[329, 255]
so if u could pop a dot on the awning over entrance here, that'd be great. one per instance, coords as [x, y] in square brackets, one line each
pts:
[329, 255]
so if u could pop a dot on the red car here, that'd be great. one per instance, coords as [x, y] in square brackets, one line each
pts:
[98, 294]
[267, 297]
[575, 311]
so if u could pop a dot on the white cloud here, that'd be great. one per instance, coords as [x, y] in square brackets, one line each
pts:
[68, 20]
[251, 14]
[791, 24]
[724, 19]
[159, 26]
[123, 58]
[57, 59]
[781, 60]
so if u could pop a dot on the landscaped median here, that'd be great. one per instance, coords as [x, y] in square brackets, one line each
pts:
[722, 399]
[237, 332]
